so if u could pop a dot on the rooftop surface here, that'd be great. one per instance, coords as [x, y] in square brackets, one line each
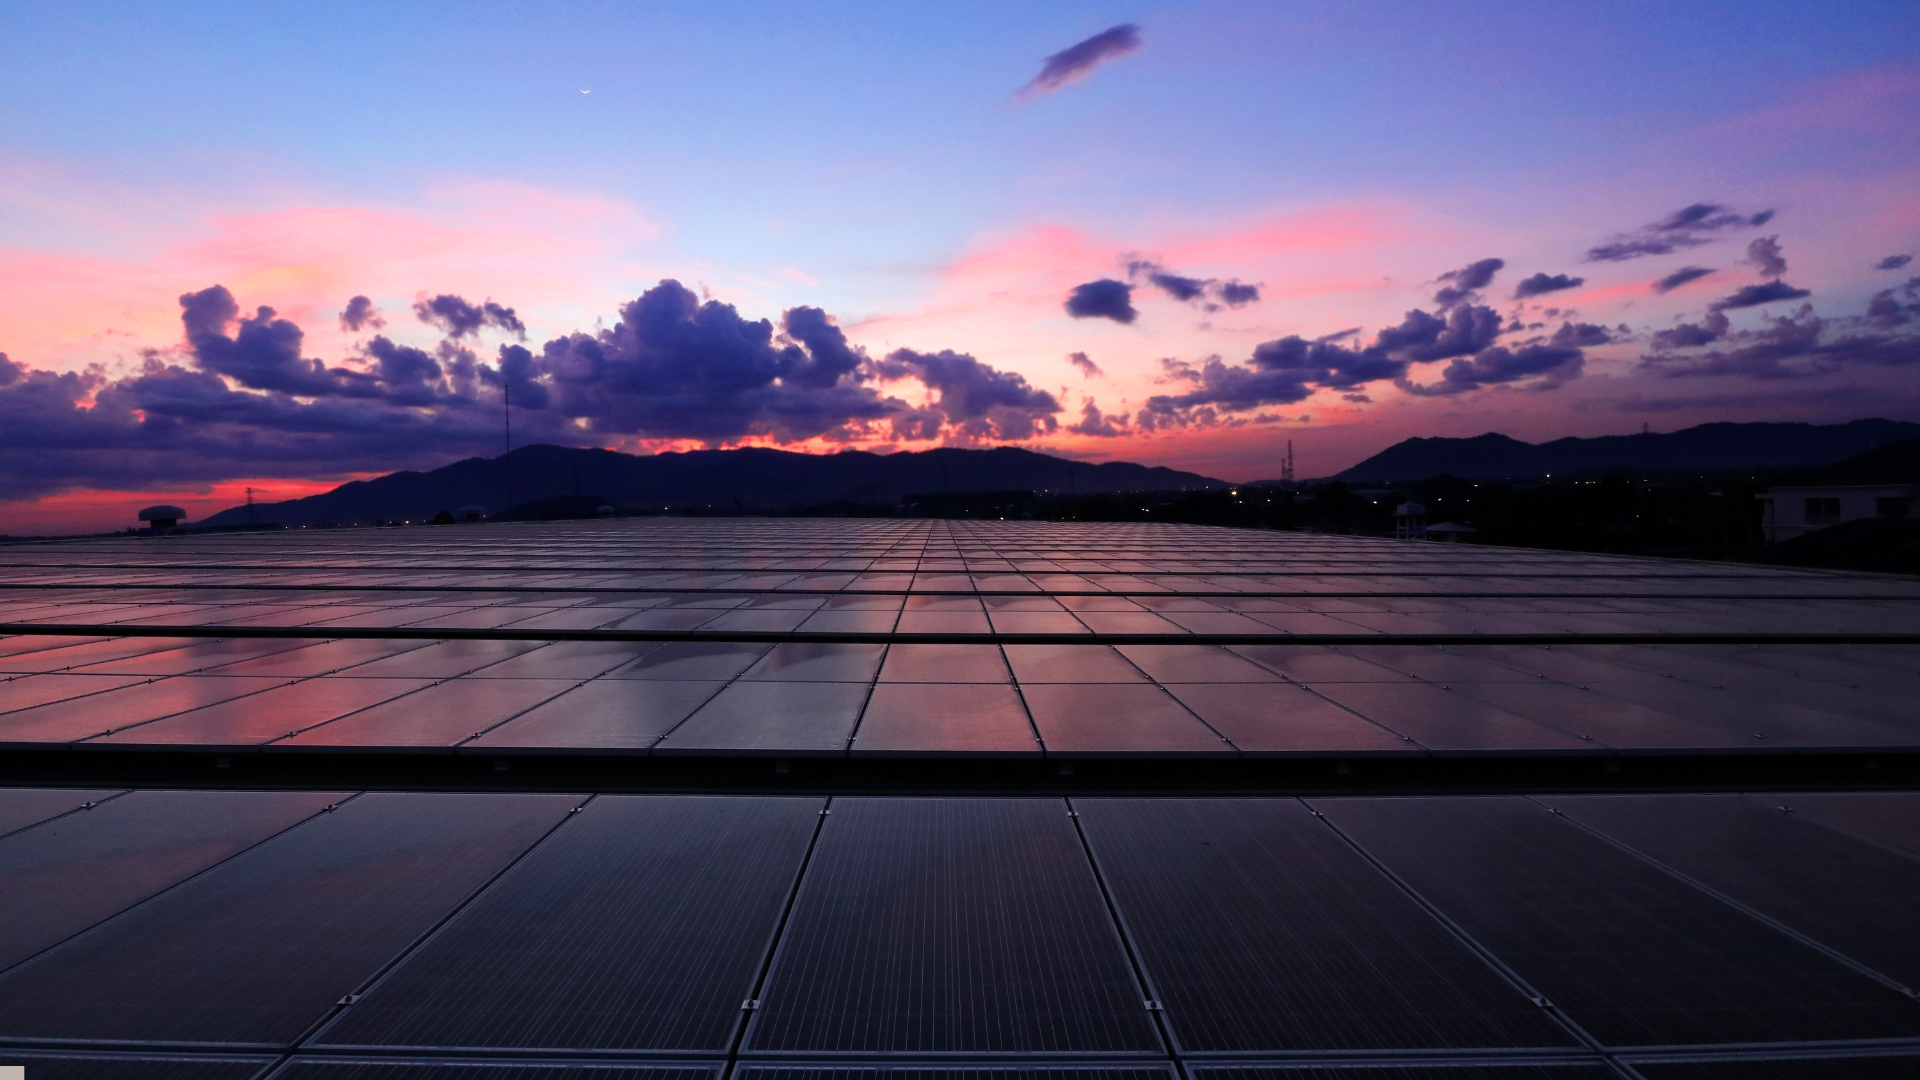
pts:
[779, 799]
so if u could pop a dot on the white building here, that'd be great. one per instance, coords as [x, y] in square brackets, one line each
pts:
[1788, 512]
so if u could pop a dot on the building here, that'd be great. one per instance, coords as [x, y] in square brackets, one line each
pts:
[162, 517]
[909, 799]
[1410, 521]
[1788, 512]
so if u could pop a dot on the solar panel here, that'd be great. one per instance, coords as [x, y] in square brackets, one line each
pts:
[1261, 930]
[950, 926]
[972, 719]
[1633, 955]
[266, 716]
[1117, 718]
[442, 715]
[772, 718]
[1442, 719]
[260, 949]
[606, 714]
[24, 807]
[952, 1072]
[641, 925]
[1449, 1071]
[1285, 719]
[1768, 859]
[102, 1066]
[68, 874]
[1845, 1068]
[322, 1069]
[80, 718]
[1891, 818]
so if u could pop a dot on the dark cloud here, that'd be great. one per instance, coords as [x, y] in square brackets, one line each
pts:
[1544, 283]
[263, 353]
[1684, 228]
[1755, 295]
[457, 318]
[1086, 365]
[1794, 346]
[1886, 310]
[1292, 368]
[1764, 253]
[1095, 423]
[1893, 262]
[248, 404]
[976, 399]
[1682, 276]
[1211, 294]
[361, 314]
[1554, 364]
[1075, 63]
[1692, 335]
[1103, 299]
[1238, 293]
[1580, 335]
[1465, 283]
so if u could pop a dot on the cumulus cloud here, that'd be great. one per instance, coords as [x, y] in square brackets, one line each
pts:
[1097, 424]
[1085, 364]
[976, 399]
[361, 314]
[1765, 254]
[1893, 262]
[457, 318]
[1072, 64]
[1463, 285]
[1690, 226]
[1798, 345]
[247, 402]
[1543, 283]
[1692, 335]
[1293, 368]
[1103, 299]
[1682, 276]
[1555, 364]
[1210, 294]
[1755, 295]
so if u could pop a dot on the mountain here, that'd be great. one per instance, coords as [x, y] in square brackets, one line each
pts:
[1705, 448]
[722, 481]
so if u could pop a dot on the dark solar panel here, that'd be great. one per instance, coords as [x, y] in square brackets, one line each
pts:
[641, 925]
[1262, 930]
[1447, 720]
[68, 874]
[1104, 719]
[951, 925]
[978, 719]
[321, 1069]
[1282, 718]
[1475, 1071]
[1783, 867]
[1630, 953]
[22, 807]
[1847, 1068]
[260, 949]
[1891, 818]
[136, 1066]
[774, 718]
[609, 714]
[953, 1072]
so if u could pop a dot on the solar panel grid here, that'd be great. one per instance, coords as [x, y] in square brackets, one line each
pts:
[1631, 954]
[639, 926]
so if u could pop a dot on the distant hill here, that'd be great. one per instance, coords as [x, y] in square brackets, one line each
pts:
[1894, 463]
[1705, 448]
[717, 481]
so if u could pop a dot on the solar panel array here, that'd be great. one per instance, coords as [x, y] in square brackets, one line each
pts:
[385, 930]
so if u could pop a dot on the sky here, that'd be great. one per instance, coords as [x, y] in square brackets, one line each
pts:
[283, 246]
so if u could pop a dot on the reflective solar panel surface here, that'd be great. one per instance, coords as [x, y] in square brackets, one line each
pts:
[925, 800]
